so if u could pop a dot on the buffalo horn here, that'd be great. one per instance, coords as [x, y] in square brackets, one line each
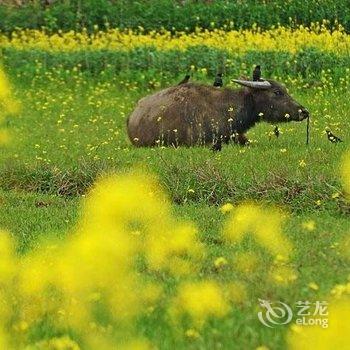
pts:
[253, 84]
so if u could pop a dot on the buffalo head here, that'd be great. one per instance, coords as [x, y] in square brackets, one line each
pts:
[272, 101]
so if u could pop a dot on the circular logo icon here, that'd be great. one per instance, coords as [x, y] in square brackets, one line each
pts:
[275, 313]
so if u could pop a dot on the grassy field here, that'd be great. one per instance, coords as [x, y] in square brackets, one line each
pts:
[316, 260]
[115, 247]
[71, 131]
[78, 131]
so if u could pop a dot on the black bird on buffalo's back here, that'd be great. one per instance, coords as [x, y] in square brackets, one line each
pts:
[218, 80]
[184, 80]
[257, 74]
[332, 138]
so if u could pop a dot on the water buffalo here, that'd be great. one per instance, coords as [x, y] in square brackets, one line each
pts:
[195, 114]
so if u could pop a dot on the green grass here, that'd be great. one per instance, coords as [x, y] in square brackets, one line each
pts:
[32, 218]
[147, 65]
[170, 14]
[71, 131]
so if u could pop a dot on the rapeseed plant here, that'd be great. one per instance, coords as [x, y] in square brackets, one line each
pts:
[199, 300]
[264, 224]
[237, 41]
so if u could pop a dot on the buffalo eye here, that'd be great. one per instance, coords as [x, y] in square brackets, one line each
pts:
[278, 92]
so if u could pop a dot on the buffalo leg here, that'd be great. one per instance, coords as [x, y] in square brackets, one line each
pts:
[241, 139]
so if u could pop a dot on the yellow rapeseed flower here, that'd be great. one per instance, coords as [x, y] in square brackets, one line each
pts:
[234, 41]
[220, 262]
[192, 334]
[309, 225]
[265, 224]
[313, 286]
[335, 336]
[226, 208]
[200, 300]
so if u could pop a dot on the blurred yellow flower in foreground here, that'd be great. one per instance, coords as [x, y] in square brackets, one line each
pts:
[309, 225]
[264, 224]
[226, 208]
[313, 286]
[200, 300]
[64, 343]
[220, 262]
[192, 334]
[282, 275]
[336, 336]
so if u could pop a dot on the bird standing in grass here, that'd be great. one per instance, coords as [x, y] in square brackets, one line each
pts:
[218, 80]
[184, 80]
[332, 138]
[276, 131]
[217, 146]
[257, 73]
